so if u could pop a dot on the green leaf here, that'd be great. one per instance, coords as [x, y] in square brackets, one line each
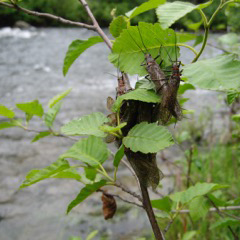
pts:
[51, 114]
[224, 222]
[75, 49]
[90, 173]
[146, 6]
[195, 26]
[41, 135]
[148, 138]
[189, 235]
[36, 175]
[171, 12]
[129, 48]
[220, 73]
[6, 112]
[12, 123]
[163, 204]
[217, 201]
[58, 97]
[118, 156]
[198, 207]
[145, 83]
[84, 193]
[232, 96]
[92, 151]
[68, 173]
[86, 125]
[200, 189]
[111, 129]
[31, 108]
[184, 87]
[139, 94]
[117, 25]
[92, 235]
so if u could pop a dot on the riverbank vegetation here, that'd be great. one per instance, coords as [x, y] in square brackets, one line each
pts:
[105, 10]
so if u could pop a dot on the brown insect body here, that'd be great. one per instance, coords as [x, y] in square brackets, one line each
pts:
[169, 105]
[155, 72]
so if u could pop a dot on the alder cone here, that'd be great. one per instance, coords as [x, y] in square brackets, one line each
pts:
[109, 206]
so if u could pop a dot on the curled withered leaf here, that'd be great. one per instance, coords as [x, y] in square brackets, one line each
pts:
[109, 206]
[110, 103]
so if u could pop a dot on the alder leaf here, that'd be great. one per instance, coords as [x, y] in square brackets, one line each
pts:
[92, 151]
[58, 97]
[12, 123]
[224, 222]
[31, 108]
[117, 25]
[6, 112]
[118, 156]
[139, 94]
[75, 49]
[85, 192]
[163, 204]
[200, 189]
[41, 135]
[144, 7]
[129, 48]
[37, 175]
[86, 125]
[199, 207]
[148, 138]
[51, 114]
[220, 73]
[169, 13]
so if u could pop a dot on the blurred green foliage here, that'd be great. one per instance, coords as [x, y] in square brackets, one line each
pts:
[72, 9]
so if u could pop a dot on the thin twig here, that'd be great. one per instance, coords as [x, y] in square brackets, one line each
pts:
[117, 196]
[48, 15]
[168, 226]
[128, 191]
[95, 24]
[53, 134]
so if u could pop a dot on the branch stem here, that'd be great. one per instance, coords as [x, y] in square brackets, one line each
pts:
[48, 15]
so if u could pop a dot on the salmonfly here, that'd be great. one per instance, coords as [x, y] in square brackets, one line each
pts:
[156, 74]
[169, 104]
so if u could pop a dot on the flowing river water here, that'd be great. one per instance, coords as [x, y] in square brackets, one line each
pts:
[31, 68]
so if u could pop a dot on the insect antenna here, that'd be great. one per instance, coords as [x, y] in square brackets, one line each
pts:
[142, 40]
[175, 45]
[164, 49]
[135, 42]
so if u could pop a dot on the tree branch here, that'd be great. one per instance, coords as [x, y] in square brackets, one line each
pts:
[123, 199]
[95, 24]
[50, 16]
[128, 191]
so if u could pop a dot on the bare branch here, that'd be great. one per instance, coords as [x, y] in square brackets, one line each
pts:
[128, 191]
[48, 15]
[54, 134]
[95, 24]
[117, 196]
